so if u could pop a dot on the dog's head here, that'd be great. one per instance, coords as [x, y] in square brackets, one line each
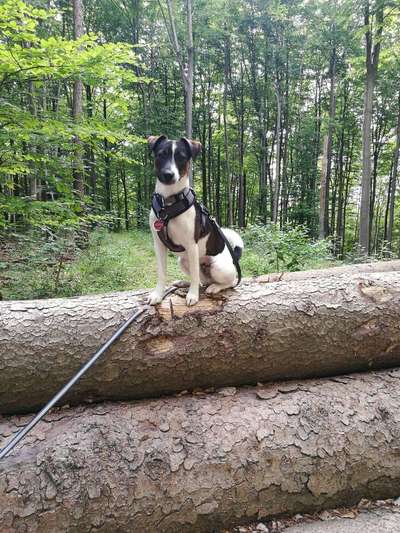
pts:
[172, 158]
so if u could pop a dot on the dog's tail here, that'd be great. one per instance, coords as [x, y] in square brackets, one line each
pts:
[235, 240]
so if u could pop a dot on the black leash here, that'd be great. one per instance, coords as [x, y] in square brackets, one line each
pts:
[26, 429]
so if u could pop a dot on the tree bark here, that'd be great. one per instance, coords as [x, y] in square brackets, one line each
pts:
[372, 52]
[78, 170]
[277, 150]
[327, 154]
[188, 74]
[229, 214]
[186, 69]
[389, 215]
[340, 216]
[259, 332]
[203, 463]
[350, 270]
[107, 165]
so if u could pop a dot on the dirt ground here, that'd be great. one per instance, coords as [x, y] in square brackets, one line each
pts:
[368, 517]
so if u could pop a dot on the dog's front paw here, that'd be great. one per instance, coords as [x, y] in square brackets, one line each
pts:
[192, 297]
[155, 298]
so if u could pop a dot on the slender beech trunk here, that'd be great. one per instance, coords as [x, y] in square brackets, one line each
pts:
[277, 151]
[33, 110]
[89, 148]
[211, 196]
[188, 78]
[372, 51]
[389, 216]
[186, 66]
[242, 186]
[218, 178]
[339, 216]
[77, 106]
[225, 113]
[107, 165]
[125, 188]
[327, 154]
[312, 192]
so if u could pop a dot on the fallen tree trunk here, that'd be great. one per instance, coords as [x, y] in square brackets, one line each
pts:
[259, 332]
[362, 268]
[199, 463]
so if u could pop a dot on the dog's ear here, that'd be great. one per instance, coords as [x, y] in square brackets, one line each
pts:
[194, 147]
[155, 140]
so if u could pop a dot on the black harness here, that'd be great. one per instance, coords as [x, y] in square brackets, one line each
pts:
[178, 204]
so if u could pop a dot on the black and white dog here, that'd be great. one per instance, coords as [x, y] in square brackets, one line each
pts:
[180, 223]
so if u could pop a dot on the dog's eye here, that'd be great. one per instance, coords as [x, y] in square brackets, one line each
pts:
[180, 155]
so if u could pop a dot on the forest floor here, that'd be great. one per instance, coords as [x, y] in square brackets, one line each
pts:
[382, 516]
[110, 261]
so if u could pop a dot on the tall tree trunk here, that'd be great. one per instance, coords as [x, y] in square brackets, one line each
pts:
[286, 122]
[327, 154]
[218, 214]
[242, 191]
[89, 148]
[372, 50]
[124, 186]
[389, 217]
[316, 152]
[341, 178]
[186, 67]
[33, 110]
[188, 78]
[225, 112]
[107, 165]
[77, 106]
[348, 170]
[211, 196]
[277, 151]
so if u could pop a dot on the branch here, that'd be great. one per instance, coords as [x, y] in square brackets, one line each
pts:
[173, 38]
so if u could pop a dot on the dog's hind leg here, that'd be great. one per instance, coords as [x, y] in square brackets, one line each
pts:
[222, 272]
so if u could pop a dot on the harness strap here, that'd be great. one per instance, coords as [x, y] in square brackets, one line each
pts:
[165, 210]
[183, 201]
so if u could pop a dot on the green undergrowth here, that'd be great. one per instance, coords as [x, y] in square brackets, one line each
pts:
[33, 266]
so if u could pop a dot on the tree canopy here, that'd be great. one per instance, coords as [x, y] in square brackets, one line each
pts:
[280, 104]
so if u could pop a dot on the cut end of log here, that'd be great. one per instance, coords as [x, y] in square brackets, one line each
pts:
[175, 307]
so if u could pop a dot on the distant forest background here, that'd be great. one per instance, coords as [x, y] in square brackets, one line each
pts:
[296, 104]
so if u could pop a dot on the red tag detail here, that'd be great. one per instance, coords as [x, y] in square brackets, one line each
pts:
[158, 225]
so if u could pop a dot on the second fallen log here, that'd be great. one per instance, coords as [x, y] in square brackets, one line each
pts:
[198, 464]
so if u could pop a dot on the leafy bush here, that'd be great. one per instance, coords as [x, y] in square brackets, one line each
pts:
[269, 249]
[38, 268]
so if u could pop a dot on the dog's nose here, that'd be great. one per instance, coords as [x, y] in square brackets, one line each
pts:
[168, 176]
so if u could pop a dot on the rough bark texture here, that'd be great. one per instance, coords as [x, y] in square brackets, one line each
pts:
[372, 52]
[258, 332]
[77, 105]
[199, 463]
[380, 266]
